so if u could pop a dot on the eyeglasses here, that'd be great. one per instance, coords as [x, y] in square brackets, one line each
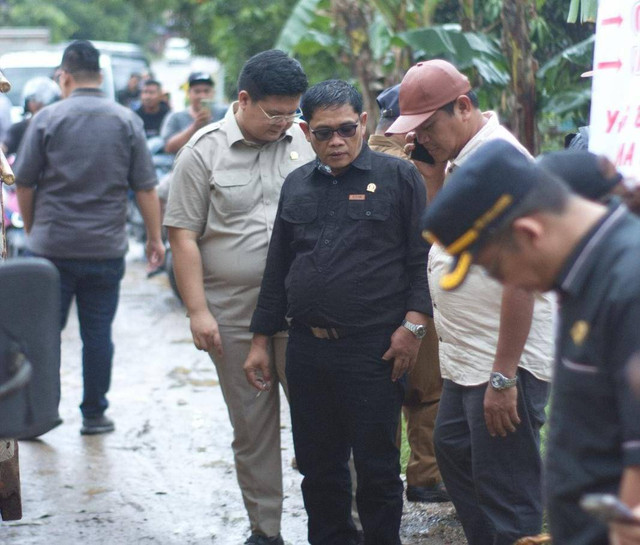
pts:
[276, 119]
[346, 131]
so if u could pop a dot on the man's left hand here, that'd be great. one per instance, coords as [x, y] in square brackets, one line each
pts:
[626, 534]
[403, 351]
[501, 410]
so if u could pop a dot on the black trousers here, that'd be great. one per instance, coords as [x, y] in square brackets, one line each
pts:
[342, 399]
[494, 482]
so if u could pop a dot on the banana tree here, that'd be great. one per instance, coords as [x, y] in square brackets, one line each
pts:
[586, 9]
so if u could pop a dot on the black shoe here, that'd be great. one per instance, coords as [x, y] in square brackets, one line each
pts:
[94, 426]
[257, 539]
[428, 494]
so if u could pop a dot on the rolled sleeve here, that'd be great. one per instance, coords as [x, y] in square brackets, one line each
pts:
[189, 193]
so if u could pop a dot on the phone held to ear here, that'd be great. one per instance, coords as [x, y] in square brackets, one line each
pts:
[420, 153]
[608, 508]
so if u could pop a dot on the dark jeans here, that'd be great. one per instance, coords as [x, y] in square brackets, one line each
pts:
[494, 482]
[342, 399]
[96, 286]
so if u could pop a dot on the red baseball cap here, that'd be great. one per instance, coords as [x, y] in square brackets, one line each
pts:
[425, 88]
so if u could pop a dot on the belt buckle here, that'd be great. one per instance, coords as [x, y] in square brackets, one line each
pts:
[322, 333]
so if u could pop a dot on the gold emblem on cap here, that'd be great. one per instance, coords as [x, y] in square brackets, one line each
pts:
[579, 332]
[294, 155]
[371, 188]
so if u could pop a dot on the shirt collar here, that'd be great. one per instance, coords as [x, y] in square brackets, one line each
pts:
[234, 134]
[361, 162]
[87, 91]
[576, 268]
[477, 140]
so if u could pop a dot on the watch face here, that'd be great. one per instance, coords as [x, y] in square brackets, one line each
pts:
[496, 381]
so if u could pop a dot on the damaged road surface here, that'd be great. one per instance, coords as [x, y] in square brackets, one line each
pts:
[166, 475]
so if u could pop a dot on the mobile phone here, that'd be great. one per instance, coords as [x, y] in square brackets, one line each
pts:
[420, 153]
[608, 508]
[206, 103]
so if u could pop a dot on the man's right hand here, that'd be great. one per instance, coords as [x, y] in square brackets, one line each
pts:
[205, 333]
[433, 174]
[256, 367]
[202, 118]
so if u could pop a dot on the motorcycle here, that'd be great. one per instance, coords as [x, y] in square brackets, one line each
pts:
[13, 224]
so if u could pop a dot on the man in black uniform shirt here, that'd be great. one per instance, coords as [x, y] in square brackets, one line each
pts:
[346, 269]
[525, 228]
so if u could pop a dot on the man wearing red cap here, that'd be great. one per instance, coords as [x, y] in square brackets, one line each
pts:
[496, 344]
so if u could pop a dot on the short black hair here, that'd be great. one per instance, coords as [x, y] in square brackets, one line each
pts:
[449, 106]
[272, 72]
[149, 82]
[81, 59]
[330, 93]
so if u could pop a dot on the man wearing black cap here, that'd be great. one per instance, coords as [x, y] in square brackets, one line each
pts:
[178, 127]
[592, 176]
[525, 228]
[495, 344]
[424, 383]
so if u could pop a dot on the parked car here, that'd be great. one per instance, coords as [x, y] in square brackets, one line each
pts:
[177, 50]
[20, 66]
[126, 59]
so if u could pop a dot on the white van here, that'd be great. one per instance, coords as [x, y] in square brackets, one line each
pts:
[20, 66]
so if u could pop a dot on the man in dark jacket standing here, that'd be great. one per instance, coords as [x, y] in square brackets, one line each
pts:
[78, 159]
[346, 267]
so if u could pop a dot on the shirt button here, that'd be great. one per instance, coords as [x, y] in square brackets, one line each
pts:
[435, 306]
[367, 213]
[335, 182]
[332, 213]
[267, 202]
[326, 241]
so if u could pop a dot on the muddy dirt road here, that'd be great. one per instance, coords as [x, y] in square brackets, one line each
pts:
[165, 476]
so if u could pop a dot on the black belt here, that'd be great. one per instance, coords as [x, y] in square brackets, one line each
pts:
[331, 333]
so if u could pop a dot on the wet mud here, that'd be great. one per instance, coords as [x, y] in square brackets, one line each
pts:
[166, 475]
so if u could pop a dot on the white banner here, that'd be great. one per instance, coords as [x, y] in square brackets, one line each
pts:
[615, 99]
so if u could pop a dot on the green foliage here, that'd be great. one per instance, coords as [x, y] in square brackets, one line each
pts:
[39, 13]
[587, 9]
[113, 20]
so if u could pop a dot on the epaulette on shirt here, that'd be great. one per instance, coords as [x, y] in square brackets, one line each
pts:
[211, 127]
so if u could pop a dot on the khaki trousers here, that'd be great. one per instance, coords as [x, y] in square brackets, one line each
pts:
[256, 427]
[420, 408]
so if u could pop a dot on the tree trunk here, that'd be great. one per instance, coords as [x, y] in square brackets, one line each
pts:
[516, 47]
[354, 17]
[467, 16]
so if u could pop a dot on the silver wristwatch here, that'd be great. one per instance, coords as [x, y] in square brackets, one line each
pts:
[417, 329]
[499, 382]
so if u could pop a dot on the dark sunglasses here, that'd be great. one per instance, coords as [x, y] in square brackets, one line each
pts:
[346, 131]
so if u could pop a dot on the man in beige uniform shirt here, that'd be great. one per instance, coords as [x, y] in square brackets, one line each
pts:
[424, 384]
[220, 214]
[496, 345]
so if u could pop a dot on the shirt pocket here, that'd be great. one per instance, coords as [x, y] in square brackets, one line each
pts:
[233, 190]
[369, 218]
[301, 215]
